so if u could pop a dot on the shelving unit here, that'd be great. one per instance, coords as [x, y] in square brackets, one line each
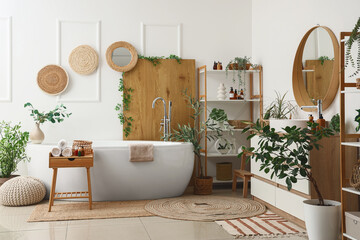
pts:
[345, 189]
[251, 99]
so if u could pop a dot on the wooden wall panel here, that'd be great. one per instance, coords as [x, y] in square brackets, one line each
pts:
[166, 80]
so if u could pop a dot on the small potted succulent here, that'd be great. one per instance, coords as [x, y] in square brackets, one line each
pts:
[223, 146]
[57, 115]
[13, 143]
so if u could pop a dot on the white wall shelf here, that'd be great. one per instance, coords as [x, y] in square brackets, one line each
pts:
[351, 91]
[219, 155]
[351, 190]
[351, 144]
[230, 71]
[230, 101]
[349, 237]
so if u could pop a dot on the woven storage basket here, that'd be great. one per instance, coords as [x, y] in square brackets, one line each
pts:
[224, 171]
[238, 124]
[22, 191]
[87, 145]
[355, 177]
[203, 186]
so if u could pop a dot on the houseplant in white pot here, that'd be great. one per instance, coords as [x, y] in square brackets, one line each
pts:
[286, 156]
[194, 135]
[12, 149]
[57, 115]
[279, 113]
[219, 117]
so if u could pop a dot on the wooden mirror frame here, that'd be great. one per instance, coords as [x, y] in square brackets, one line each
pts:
[301, 95]
[128, 46]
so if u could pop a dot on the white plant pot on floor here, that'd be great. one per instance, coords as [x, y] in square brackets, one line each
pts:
[322, 222]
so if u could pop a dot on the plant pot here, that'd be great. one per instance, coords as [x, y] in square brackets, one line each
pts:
[225, 150]
[203, 186]
[248, 66]
[358, 83]
[233, 66]
[36, 135]
[322, 222]
[3, 180]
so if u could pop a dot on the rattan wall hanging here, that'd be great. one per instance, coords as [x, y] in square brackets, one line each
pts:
[84, 60]
[52, 79]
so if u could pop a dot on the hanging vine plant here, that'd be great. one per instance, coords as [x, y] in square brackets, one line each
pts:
[354, 37]
[126, 94]
[124, 106]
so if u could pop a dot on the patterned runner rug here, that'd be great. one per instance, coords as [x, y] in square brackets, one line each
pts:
[267, 224]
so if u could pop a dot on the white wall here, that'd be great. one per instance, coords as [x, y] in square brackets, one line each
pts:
[278, 27]
[211, 30]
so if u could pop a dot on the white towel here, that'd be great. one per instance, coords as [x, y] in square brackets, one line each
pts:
[67, 152]
[56, 152]
[62, 144]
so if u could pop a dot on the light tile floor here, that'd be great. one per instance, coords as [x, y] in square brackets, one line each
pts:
[13, 226]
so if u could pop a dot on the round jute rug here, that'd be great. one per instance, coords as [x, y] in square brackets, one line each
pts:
[205, 208]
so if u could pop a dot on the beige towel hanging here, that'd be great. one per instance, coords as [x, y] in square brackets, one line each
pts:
[141, 152]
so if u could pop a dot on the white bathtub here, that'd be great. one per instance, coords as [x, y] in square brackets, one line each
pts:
[114, 178]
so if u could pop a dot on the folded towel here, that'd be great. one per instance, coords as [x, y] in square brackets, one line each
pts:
[62, 144]
[141, 152]
[56, 152]
[67, 152]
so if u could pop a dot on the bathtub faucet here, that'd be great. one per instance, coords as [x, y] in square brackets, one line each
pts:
[166, 121]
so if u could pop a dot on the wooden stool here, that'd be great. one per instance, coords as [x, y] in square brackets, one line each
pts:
[69, 162]
[242, 173]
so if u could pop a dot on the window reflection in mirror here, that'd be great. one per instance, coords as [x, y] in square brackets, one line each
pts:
[318, 62]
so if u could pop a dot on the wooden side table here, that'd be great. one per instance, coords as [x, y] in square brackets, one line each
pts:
[70, 162]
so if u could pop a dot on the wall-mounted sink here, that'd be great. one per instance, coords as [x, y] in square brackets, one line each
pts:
[279, 124]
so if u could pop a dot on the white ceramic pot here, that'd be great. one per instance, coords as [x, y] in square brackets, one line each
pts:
[322, 222]
[36, 135]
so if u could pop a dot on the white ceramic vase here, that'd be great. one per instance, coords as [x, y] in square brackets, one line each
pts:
[36, 135]
[221, 93]
[322, 222]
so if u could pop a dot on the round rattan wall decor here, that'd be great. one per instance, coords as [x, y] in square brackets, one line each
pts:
[52, 79]
[83, 59]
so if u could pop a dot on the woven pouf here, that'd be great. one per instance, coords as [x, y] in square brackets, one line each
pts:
[22, 191]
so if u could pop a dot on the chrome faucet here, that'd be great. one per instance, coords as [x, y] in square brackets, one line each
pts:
[166, 121]
[318, 107]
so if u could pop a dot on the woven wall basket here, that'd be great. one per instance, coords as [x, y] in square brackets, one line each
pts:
[83, 60]
[53, 79]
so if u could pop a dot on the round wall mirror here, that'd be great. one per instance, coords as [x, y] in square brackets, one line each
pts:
[316, 68]
[121, 56]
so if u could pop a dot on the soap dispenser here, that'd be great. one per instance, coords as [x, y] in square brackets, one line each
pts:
[321, 121]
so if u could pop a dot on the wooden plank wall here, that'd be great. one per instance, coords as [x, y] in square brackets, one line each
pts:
[166, 80]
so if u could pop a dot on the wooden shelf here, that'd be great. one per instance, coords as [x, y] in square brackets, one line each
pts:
[351, 144]
[220, 155]
[349, 237]
[230, 71]
[68, 195]
[351, 190]
[227, 181]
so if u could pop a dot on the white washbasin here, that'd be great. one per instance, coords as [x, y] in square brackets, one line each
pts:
[279, 124]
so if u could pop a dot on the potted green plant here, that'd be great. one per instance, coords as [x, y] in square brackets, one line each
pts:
[57, 115]
[279, 112]
[219, 116]
[194, 135]
[223, 146]
[240, 64]
[286, 156]
[12, 149]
